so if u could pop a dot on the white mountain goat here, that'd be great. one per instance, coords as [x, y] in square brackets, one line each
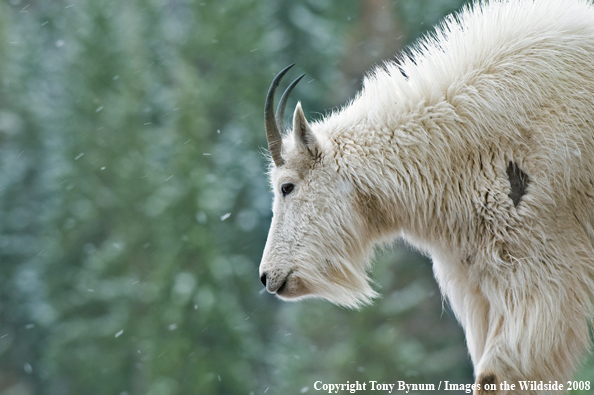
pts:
[478, 148]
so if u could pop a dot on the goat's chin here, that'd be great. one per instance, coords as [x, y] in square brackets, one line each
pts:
[294, 289]
[347, 291]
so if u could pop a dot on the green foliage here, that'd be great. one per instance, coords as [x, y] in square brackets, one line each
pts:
[135, 207]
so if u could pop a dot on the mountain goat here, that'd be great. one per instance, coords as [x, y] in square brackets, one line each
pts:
[477, 147]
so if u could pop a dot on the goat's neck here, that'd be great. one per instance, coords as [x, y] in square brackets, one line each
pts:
[404, 172]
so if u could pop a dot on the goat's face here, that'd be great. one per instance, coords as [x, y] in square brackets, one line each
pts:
[317, 245]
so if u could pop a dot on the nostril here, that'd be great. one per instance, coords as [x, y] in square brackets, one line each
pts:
[263, 279]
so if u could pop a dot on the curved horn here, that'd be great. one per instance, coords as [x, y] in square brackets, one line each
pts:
[280, 110]
[273, 135]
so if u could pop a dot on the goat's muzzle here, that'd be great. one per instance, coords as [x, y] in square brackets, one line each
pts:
[274, 285]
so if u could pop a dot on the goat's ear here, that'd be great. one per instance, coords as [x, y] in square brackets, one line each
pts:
[304, 137]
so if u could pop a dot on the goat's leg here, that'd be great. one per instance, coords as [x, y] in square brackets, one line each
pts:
[535, 340]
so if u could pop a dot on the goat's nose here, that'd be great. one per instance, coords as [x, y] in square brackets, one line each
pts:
[263, 279]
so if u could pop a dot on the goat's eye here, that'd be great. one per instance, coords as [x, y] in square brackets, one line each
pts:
[287, 188]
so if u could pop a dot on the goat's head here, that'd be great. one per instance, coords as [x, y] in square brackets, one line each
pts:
[317, 245]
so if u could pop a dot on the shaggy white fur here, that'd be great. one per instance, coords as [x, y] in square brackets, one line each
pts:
[478, 148]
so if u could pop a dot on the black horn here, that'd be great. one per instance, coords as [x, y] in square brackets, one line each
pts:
[274, 124]
[280, 110]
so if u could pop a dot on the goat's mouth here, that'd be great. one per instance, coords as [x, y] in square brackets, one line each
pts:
[274, 283]
[291, 287]
[283, 286]
[278, 287]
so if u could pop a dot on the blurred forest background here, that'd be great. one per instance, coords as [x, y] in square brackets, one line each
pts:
[134, 203]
